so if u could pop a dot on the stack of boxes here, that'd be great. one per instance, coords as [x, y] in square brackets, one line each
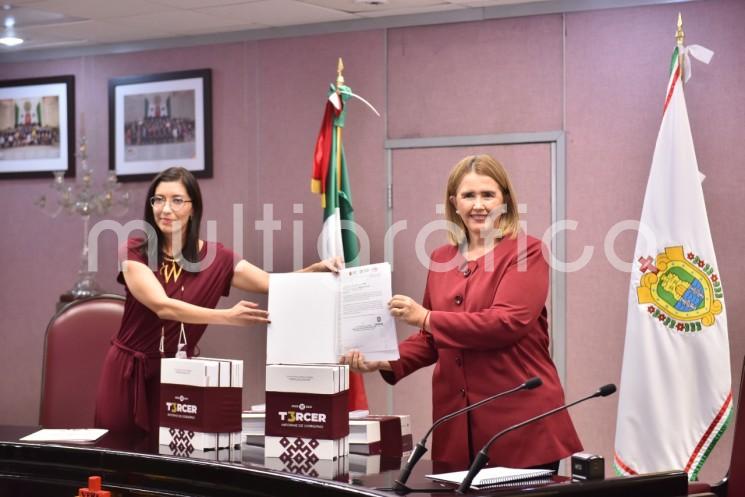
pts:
[200, 405]
[377, 443]
[389, 436]
[306, 412]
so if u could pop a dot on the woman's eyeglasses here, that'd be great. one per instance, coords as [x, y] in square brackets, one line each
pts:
[176, 203]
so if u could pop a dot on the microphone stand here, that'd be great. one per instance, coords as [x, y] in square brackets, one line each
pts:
[399, 486]
[482, 458]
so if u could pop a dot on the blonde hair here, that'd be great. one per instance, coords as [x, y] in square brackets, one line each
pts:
[488, 166]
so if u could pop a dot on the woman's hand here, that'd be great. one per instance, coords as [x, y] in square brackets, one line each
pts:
[358, 364]
[408, 310]
[245, 313]
[332, 264]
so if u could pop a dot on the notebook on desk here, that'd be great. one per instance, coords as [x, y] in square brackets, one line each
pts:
[494, 476]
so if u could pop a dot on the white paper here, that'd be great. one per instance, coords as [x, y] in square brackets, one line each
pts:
[317, 317]
[81, 435]
[366, 323]
[302, 310]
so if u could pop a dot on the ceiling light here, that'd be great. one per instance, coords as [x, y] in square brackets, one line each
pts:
[9, 38]
[10, 41]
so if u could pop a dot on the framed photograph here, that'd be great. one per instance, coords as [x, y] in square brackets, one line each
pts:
[37, 127]
[158, 121]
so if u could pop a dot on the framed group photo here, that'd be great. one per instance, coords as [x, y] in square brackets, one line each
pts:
[37, 127]
[158, 121]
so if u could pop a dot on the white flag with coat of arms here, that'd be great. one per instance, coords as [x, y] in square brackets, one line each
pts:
[675, 395]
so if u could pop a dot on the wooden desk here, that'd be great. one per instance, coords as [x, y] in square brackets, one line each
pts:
[41, 469]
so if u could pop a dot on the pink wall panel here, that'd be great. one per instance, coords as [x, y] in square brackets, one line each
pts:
[51, 248]
[617, 67]
[495, 76]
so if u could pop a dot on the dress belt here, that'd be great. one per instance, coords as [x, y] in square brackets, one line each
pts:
[137, 369]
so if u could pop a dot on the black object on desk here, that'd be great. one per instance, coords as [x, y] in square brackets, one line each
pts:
[587, 466]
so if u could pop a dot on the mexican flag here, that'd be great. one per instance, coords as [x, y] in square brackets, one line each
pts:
[675, 397]
[331, 180]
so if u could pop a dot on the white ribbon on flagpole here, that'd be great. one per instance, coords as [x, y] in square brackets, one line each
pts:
[336, 101]
[702, 54]
[364, 102]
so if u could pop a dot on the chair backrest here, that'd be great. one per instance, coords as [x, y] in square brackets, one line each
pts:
[76, 342]
[736, 477]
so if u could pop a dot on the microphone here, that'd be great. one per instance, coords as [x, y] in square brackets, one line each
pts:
[420, 449]
[482, 457]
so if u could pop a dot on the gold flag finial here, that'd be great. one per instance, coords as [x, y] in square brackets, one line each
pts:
[339, 77]
[679, 34]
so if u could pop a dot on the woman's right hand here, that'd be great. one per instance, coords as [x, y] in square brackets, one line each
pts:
[358, 364]
[246, 313]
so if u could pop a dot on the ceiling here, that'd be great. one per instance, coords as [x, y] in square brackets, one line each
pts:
[54, 24]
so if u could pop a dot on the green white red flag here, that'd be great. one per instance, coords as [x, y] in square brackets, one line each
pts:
[331, 180]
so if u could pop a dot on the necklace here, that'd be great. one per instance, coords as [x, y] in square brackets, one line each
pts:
[170, 268]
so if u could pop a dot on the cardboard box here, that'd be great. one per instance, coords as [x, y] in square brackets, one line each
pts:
[253, 423]
[200, 397]
[364, 436]
[392, 437]
[307, 411]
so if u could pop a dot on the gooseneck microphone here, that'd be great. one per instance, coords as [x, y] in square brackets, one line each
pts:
[420, 449]
[482, 457]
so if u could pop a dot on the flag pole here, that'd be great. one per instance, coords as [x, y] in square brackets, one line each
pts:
[339, 84]
[679, 37]
[340, 68]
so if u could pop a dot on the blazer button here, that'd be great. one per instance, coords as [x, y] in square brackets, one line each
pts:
[458, 300]
[462, 392]
[467, 272]
[458, 361]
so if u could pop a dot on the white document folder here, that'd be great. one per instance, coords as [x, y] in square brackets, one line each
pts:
[317, 317]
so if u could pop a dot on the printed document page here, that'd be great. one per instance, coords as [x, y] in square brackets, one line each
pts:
[366, 323]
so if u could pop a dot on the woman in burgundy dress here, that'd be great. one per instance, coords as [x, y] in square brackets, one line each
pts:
[171, 277]
[483, 323]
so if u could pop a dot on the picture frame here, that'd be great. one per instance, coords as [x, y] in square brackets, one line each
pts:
[37, 127]
[160, 120]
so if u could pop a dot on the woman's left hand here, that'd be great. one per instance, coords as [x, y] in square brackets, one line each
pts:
[332, 264]
[408, 310]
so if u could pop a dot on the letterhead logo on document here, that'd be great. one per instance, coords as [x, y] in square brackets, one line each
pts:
[681, 290]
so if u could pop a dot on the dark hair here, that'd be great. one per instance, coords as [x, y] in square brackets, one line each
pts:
[190, 251]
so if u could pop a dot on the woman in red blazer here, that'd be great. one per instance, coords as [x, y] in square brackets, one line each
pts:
[484, 326]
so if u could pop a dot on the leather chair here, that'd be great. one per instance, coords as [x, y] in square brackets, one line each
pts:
[76, 341]
[733, 485]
